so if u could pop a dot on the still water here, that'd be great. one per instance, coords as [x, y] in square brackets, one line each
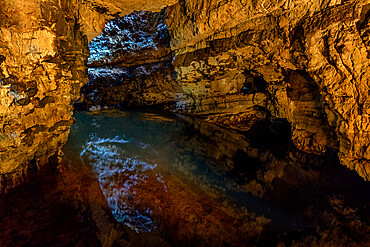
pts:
[142, 179]
[148, 171]
[184, 178]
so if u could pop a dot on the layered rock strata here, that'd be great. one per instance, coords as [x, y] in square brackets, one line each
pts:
[239, 62]
[130, 63]
[235, 62]
[312, 56]
[43, 57]
[288, 178]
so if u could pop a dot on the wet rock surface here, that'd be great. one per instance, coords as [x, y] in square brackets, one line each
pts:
[312, 189]
[63, 205]
[137, 38]
[195, 183]
[142, 85]
[43, 57]
[291, 75]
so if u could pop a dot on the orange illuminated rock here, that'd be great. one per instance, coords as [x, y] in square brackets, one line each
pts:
[236, 62]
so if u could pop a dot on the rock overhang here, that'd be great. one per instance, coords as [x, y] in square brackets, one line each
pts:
[218, 42]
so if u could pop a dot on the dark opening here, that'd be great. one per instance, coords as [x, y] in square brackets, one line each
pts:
[272, 135]
[245, 167]
[253, 84]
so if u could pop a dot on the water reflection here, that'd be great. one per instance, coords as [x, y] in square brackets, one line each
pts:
[61, 206]
[119, 147]
[118, 174]
[203, 185]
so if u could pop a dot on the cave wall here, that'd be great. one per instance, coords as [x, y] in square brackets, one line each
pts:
[43, 58]
[235, 63]
[43, 66]
[313, 57]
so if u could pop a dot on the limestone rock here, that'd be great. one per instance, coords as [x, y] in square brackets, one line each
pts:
[312, 56]
[130, 63]
[229, 62]
[137, 38]
[238, 62]
[141, 85]
[115, 8]
[42, 69]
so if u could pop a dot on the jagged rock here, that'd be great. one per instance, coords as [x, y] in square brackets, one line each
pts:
[312, 56]
[236, 62]
[138, 38]
[142, 85]
[130, 63]
[44, 52]
[43, 66]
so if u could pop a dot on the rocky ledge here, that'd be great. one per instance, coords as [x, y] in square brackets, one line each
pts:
[228, 62]
[130, 64]
[312, 58]
[236, 63]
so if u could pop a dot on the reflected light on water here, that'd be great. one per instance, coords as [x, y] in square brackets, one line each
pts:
[160, 173]
[119, 173]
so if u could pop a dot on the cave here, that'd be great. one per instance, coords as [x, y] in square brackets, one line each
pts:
[184, 123]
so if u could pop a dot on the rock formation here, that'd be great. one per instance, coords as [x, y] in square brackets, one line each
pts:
[43, 57]
[234, 63]
[280, 173]
[130, 63]
[241, 62]
[310, 56]
[43, 66]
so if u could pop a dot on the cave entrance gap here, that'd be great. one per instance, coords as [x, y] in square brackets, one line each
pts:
[130, 64]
